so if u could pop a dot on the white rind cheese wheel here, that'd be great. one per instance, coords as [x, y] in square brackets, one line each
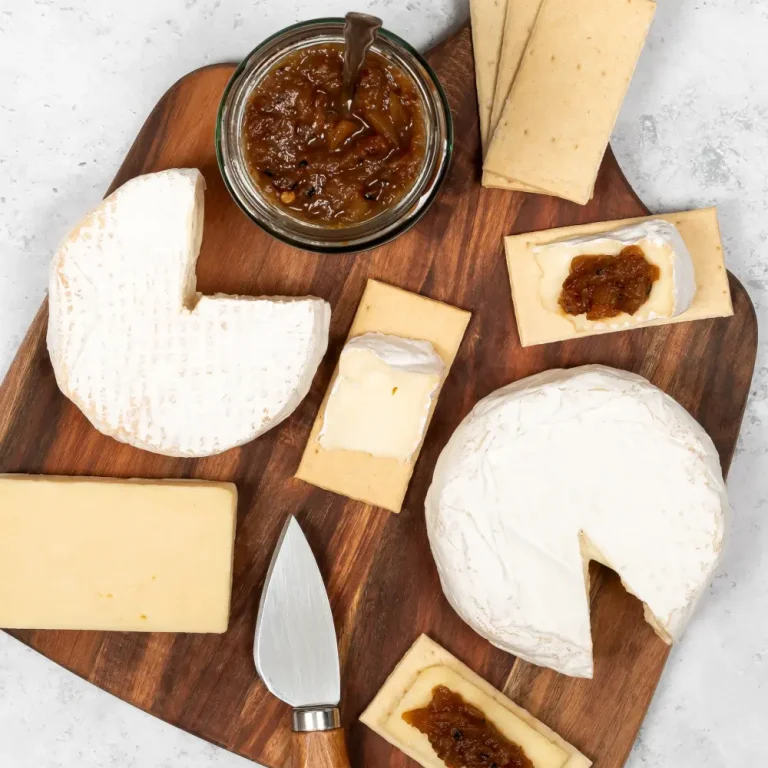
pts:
[559, 469]
[150, 361]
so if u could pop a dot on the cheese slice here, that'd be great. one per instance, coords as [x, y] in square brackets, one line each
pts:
[563, 104]
[383, 396]
[560, 468]
[487, 19]
[662, 246]
[359, 475]
[127, 555]
[538, 263]
[150, 361]
[427, 665]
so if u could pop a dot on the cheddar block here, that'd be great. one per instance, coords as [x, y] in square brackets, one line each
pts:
[376, 480]
[427, 665]
[128, 555]
[487, 19]
[539, 323]
[563, 104]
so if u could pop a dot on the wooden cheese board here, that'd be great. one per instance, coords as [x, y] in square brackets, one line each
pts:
[380, 575]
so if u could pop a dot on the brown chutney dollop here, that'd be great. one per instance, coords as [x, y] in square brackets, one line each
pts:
[461, 736]
[324, 166]
[605, 286]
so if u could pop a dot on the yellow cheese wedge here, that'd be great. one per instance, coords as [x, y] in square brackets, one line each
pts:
[128, 555]
[563, 104]
[376, 480]
[427, 665]
[539, 322]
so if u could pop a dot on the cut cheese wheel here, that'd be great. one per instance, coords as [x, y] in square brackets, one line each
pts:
[559, 469]
[127, 555]
[427, 665]
[149, 360]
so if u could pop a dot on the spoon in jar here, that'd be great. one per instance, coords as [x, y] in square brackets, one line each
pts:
[359, 34]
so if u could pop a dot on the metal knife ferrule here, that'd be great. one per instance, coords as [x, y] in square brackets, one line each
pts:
[309, 719]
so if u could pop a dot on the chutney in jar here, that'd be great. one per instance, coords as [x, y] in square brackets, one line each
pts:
[321, 163]
[606, 286]
[461, 736]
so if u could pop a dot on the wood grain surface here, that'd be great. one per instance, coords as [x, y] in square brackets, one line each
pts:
[381, 578]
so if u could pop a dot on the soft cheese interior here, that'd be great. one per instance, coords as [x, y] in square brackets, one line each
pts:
[382, 397]
[662, 245]
[559, 468]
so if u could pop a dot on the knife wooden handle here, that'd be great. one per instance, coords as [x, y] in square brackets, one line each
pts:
[320, 749]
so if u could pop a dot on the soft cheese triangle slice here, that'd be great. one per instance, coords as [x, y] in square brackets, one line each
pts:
[427, 665]
[540, 321]
[560, 468]
[124, 555]
[392, 311]
[382, 397]
[150, 361]
[671, 295]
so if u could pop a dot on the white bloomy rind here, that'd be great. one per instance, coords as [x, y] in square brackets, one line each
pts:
[662, 244]
[150, 361]
[560, 468]
[362, 416]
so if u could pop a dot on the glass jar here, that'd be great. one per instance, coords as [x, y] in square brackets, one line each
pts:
[279, 223]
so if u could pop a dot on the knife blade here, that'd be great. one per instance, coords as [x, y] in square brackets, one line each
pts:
[296, 653]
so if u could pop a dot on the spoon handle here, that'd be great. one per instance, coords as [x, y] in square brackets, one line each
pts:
[359, 33]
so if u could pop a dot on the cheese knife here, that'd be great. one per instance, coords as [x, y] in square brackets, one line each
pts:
[296, 654]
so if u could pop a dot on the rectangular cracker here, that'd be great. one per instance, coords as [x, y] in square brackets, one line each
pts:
[487, 19]
[426, 653]
[518, 26]
[555, 126]
[371, 479]
[538, 325]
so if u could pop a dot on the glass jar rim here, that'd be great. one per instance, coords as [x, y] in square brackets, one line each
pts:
[293, 231]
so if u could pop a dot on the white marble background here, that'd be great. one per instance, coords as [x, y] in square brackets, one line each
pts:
[77, 79]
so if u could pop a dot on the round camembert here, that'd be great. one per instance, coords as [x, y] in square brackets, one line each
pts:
[150, 361]
[559, 469]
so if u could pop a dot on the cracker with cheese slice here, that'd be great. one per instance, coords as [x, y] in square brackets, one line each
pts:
[376, 480]
[537, 323]
[427, 665]
[562, 106]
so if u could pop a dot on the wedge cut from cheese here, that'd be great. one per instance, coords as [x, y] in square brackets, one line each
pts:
[410, 686]
[487, 17]
[661, 244]
[150, 361]
[554, 129]
[380, 480]
[538, 264]
[565, 467]
[127, 555]
[382, 397]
